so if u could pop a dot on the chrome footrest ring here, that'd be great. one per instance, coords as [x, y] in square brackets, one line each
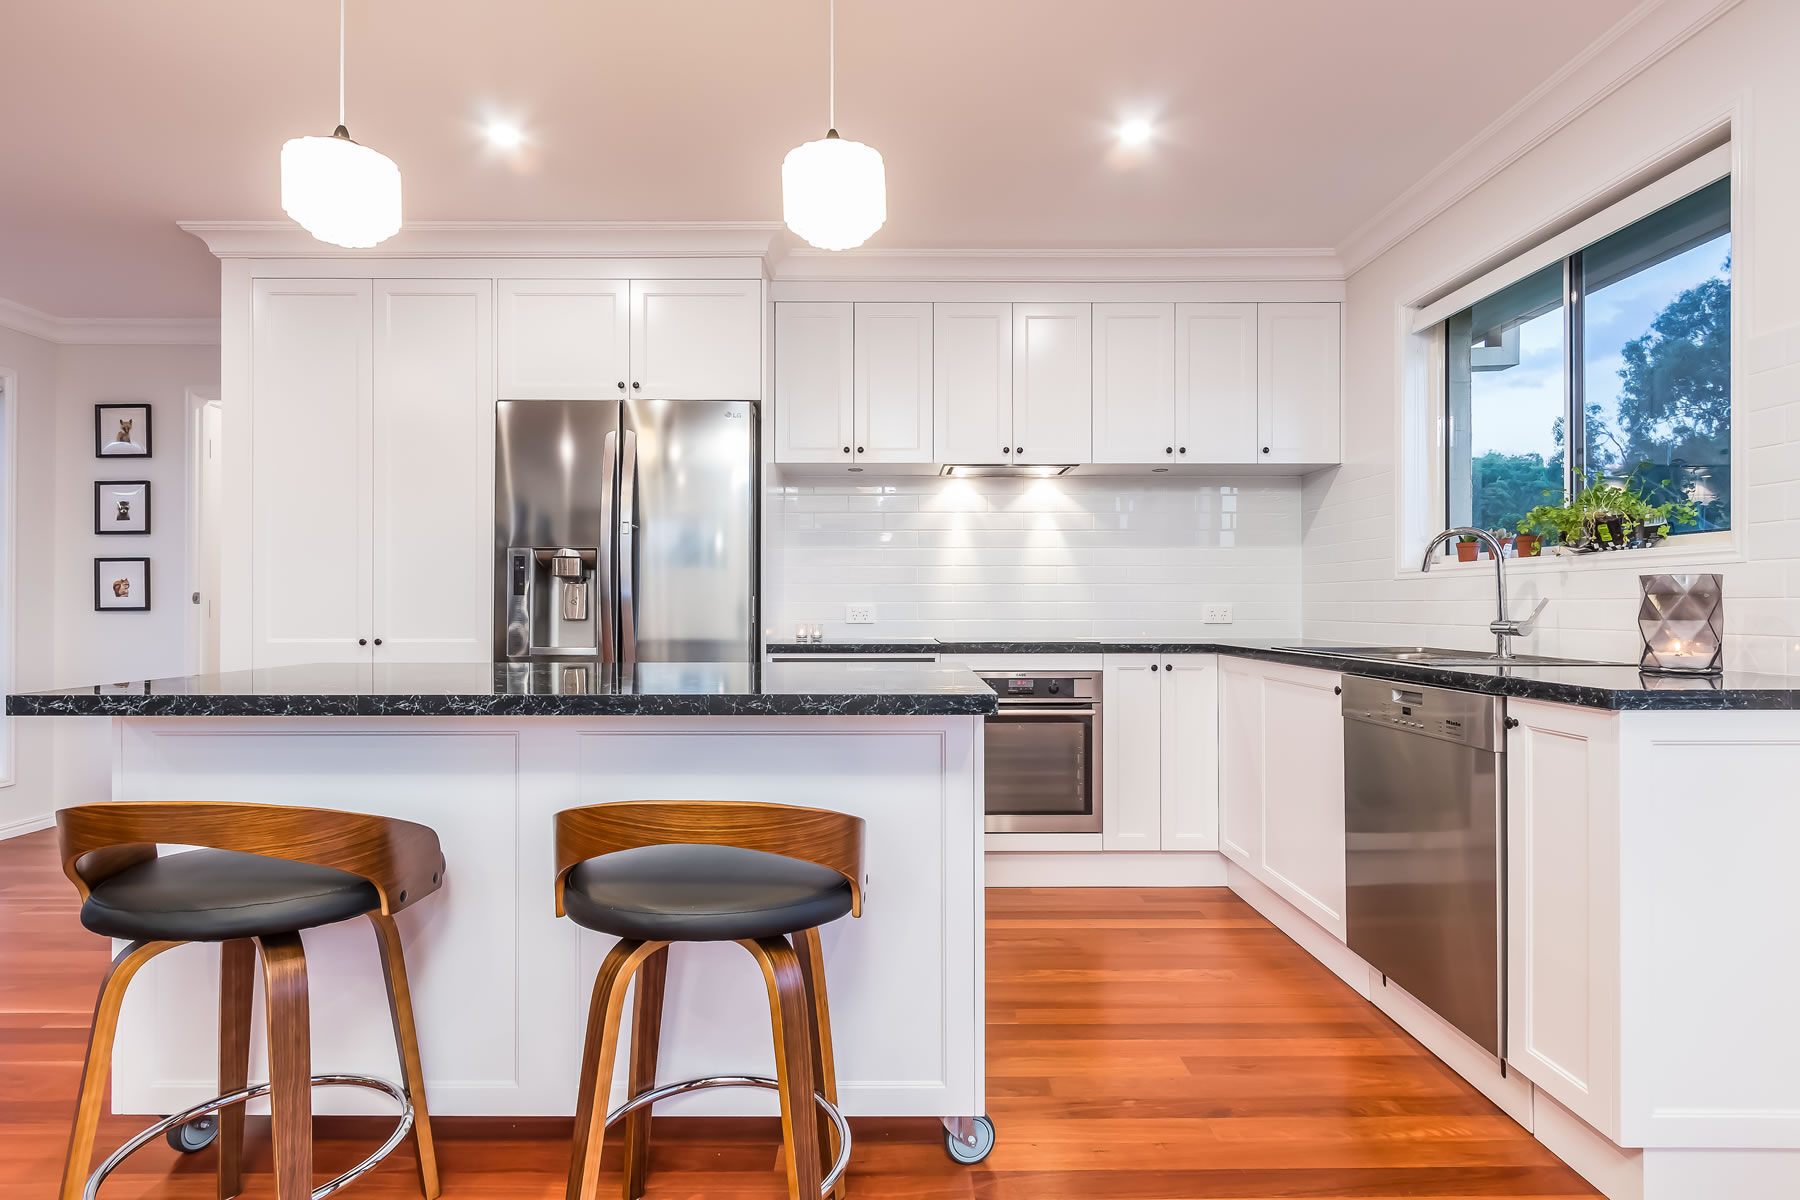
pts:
[250, 1093]
[644, 1099]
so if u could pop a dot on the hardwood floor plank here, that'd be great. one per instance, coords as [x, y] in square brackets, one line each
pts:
[1151, 1044]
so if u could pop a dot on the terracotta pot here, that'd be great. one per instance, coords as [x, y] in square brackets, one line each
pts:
[1530, 545]
[1466, 551]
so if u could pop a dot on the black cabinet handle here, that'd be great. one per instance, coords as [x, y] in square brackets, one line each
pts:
[1336, 690]
[621, 385]
[1184, 449]
[846, 449]
[635, 385]
[362, 641]
[859, 450]
[1265, 449]
[1018, 449]
[1168, 449]
[1153, 666]
[1512, 722]
[378, 641]
[1006, 449]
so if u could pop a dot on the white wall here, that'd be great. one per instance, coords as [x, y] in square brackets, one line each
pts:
[1034, 558]
[1352, 587]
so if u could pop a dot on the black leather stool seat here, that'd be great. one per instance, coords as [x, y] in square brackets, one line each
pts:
[218, 895]
[691, 893]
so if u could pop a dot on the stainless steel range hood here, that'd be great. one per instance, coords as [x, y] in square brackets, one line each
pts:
[990, 470]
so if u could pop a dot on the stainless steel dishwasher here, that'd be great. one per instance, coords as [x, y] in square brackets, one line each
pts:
[1424, 806]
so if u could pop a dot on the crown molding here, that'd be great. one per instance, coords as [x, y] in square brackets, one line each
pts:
[109, 331]
[1640, 39]
[1057, 266]
[502, 239]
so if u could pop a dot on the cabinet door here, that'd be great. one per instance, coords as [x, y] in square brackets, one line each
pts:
[972, 372]
[433, 420]
[1241, 762]
[1132, 697]
[696, 339]
[1053, 383]
[1298, 383]
[563, 339]
[1134, 383]
[814, 350]
[1190, 752]
[1562, 905]
[1215, 383]
[309, 362]
[893, 383]
[1303, 792]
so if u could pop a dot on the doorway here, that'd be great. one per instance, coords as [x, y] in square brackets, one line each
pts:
[205, 479]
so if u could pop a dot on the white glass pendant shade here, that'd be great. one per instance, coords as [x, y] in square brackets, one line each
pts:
[339, 191]
[834, 192]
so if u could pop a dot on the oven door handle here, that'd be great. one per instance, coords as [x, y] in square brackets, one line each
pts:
[1048, 712]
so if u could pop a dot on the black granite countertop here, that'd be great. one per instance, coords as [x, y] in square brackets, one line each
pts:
[534, 690]
[1590, 686]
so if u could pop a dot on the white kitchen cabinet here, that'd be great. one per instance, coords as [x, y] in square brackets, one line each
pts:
[1134, 383]
[972, 382]
[309, 451]
[1563, 888]
[1282, 772]
[432, 419]
[1161, 752]
[1053, 384]
[696, 339]
[893, 383]
[1299, 383]
[1216, 383]
[366, 398]
[814, 385]
[563, 339]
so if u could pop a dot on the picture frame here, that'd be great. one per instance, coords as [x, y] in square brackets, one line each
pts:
[122, 431]
[121, 507]
[121, 585]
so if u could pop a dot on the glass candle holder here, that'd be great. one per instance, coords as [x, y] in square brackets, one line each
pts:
[1682, 620]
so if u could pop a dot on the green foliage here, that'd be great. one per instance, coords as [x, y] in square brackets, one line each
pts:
[1599, 499]
[1506, 486]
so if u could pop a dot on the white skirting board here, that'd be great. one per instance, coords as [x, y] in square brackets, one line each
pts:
[28, 825]
[1105, 869]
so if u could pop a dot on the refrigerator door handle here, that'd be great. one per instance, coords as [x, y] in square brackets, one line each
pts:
[603, 589]
[628, 478]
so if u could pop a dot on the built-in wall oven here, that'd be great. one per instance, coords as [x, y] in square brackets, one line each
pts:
[1043, 752]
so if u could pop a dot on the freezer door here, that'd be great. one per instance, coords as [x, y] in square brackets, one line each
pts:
[687, 517]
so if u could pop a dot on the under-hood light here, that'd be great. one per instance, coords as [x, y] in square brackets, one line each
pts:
[991, 470]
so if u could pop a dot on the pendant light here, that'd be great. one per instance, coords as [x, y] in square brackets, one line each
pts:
[833, 192]
[338, 190]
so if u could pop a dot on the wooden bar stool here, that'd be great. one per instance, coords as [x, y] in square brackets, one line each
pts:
[660, 871]
[265, 874]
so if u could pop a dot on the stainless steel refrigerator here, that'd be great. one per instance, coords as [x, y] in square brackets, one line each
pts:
[625, 531]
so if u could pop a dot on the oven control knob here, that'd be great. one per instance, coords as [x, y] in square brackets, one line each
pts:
[1053, 687]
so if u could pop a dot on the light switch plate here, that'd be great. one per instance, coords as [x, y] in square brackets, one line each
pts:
[1216, 614]
[859, 614]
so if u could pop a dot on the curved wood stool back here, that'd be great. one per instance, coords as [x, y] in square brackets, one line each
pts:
[400, 858]
[794, 972]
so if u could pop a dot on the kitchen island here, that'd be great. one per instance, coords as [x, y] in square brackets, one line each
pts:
[486, 754]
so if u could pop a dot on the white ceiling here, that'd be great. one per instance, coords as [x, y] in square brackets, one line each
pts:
[1282, 123]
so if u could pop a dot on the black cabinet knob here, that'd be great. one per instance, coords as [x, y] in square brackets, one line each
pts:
[846, 449]
[362, 641]
[1154, 667]
[1337, 691]
[635, 385]
[1512, 722]
[1006, 449]
[621, 385]
[1184, 450]
[1265, 449]
[1168, 449]
[859, 450]
[378, 641]
[1018, 449]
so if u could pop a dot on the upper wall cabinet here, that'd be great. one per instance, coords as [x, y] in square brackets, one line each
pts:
[1053, 384]
[1134, 383]
[564, 339]
[586, 339]
[972, 382]
[853, 383]
[1299, 383]
[1215, 383]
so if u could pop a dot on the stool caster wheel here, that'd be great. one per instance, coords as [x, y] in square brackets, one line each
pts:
[961, 1151]
[193, 1136]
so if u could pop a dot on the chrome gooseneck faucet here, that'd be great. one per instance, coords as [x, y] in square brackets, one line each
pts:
[1504, 630]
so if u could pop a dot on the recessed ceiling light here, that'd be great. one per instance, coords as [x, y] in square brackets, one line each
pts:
[504, 135]
[1135, 132]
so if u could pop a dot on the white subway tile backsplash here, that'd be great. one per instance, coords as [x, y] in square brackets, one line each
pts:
[1023, 559]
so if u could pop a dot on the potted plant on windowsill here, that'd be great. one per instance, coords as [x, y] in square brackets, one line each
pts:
[1466, 548]
[1606, 516]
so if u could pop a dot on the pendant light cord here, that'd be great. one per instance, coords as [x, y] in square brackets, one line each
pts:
[340, 62]
[832, 58]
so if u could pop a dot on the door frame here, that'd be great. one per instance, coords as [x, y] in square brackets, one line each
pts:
[198, 399]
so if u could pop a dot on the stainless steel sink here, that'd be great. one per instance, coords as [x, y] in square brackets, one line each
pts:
[1435, 656]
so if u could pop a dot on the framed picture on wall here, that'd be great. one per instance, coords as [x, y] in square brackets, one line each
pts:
[122, 506]
[121, 585]
[121, 431]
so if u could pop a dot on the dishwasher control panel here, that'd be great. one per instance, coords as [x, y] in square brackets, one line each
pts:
[1442, 713]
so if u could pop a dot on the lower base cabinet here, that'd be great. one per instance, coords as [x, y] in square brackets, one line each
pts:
[1281, 772]
[1160, 758]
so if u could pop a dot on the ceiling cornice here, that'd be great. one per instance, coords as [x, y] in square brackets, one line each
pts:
[109, 331]
[1644, 36]
[503, 239]
[1057, 266]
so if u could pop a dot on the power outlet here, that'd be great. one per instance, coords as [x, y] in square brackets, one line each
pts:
[859, 614]
[1216, 614]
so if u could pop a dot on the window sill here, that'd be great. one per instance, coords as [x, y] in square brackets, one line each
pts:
[1693, 549]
